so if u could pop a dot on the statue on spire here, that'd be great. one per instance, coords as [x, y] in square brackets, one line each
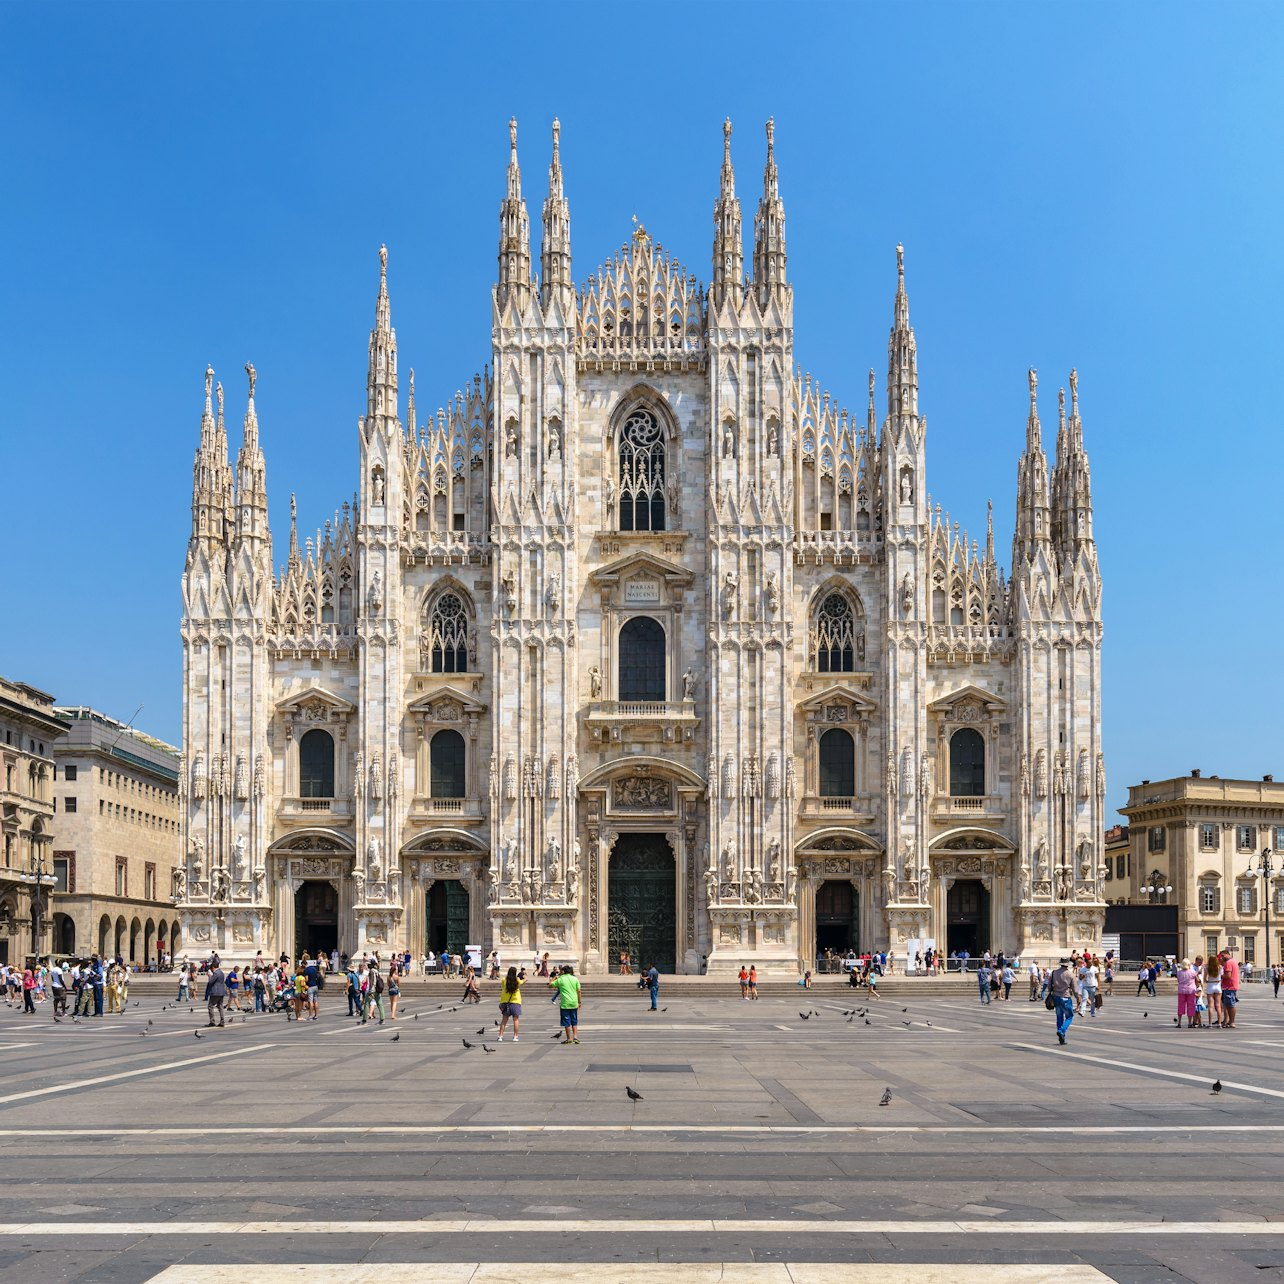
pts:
[1074, 392]
[253, 374]
[218, 392]
[209, 383]
[383, 260]
[1034, 386]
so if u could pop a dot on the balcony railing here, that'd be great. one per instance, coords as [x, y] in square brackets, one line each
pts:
[461, 809]
[317, 808]
[976, 805]
[833, 806]
[670, 719]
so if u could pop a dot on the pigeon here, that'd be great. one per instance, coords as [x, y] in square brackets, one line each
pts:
[806, 1016]
[850, 1019]
[1217, 1087]
[907, 1024]
[1144, 1015]
[135, 1002]
[868, 1021]
[905, 1009]
[191, 1010]
[75, 1020]
[395, 1037]
[442, 1005]
[633, 1096]
[149, 1020]
[929, 1025]
[558, 1035]
[664, 1009]
[487, 1049]
[467, 1044]
[483, 1029]
[1177, 1021]
[197, 1033]
[416, 1016]
[143, 1033]
[886, 1099]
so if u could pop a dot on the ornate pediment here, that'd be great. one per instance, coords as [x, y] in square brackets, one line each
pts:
[643, 567]
[837, 703]
[312, 841]
[316, 704]
[969, 704]
[446, 704]
[431, 841]
[826, 842]
[971, 840]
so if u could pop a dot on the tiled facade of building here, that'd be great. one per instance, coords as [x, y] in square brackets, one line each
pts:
[28, 728]
[120, 839]
[641, 642]
[1201, 835]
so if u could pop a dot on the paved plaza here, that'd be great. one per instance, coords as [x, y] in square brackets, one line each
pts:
[272, 1151]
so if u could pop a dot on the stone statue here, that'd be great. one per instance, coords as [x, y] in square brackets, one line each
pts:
[907, 488]
[374, 865]
[1065, 880]
[1023, 879]
[688, 684]
[492, 779]
[575, 856]
[773, 861]
[376, 487]
[925, 776]
[554, 440]
[728, 440]
[374, 598]
[179, 885]
[572, 781]
[673, 496]
[510, 592]
[238, 858]
[889, 882]
[472, 644]
[711, 885]
[773, 592]
[753, 893]
[730, 586]
[572, 885]
[222, 884]
[595, 682]
[610, 494]
[1041, 774]
[198, 858]
[254, 377]
[260, 883]
[492, 890]
[507, 858]
[773, 439]
[554, 860]
[907, 594]
[791, 885]
[510, 440]
[553, 594]
[729, 860]
[1041, 859]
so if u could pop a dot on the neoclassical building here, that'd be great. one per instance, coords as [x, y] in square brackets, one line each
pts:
[643, 643]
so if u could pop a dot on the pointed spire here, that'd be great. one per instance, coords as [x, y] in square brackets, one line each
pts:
[295, 559]
[251, 473]
[514, 230]
[1033, 519]
[728, 241]
[251, 417]
[769, 227]
[410, 407]
[555, 244]
[902, 352]
[211, 477]
[871, 415]
[208, 416]
[1072, 492]
[381, 376]
[989, 532]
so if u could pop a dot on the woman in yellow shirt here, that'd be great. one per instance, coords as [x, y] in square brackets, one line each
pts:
[510, 1003]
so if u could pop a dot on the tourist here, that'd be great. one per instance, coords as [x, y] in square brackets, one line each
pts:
[215, 994]
[569, 1000]
[374, 994]
[544, 965]
[353, 989]
[1143, 976]
[1088, 986]
[744, 982]
[1187, 990]
[184, 984]
[312, 974]
[28, 992]
[1110, 972]
[1213, 990]
[299, 991]
[234, 990]
[394, 991]
[260, 991]
[58, 988]
[626, 965]
[753, 981]
[653, 984]
[1009, 976]
[471, 992]
[1275, 980]
[1230, 988]
[1035, 976]
[510, 1004]
[1061, 987]
[983, 979]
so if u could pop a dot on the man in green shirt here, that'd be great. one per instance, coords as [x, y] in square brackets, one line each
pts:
[567, 985]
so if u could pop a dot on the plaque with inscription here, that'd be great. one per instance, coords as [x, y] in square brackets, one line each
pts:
[640, 592]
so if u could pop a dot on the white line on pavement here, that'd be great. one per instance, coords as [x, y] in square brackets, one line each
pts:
[1132, 1065]
[1036, 1230]
[129, 1074]
[224, 1135]
[632, 1273]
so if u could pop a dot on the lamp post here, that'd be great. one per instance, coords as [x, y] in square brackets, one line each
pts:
[38, 869]
[1158, 890]
[1264, 872]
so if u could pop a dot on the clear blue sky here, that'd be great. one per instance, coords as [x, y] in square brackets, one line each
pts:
[1082, 185]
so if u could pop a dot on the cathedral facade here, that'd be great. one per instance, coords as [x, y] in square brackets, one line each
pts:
[642, 644]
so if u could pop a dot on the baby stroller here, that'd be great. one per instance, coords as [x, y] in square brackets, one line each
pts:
[281, 1001]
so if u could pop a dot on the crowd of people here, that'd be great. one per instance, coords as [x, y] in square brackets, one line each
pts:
[93, 987]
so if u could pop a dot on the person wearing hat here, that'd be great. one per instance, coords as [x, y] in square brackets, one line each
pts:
[1061, 987]
[1187, 991]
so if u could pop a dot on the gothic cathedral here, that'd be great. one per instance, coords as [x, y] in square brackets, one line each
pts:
[642, 645]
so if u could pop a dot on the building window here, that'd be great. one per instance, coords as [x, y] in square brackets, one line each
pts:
[1279, 900]
[69, 772]
[1210, 898]
[1210, 945]
[837, 764]
[61, 871]
[1121, 866]
[1245, 837]
[122, 877]
[448, 635]
[447, 757]
[149, 882]
[69, 804]
[642, 502]
[1250, 947]
[316, 765]
[967, 764]
[1208, 838]
[1245, 900]
[1279, 838]
[642, 660]
[837, 642]
[1156, 838]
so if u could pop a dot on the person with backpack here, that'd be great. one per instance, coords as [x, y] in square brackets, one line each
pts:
[510, 1004]
[374, 994]
[1061, 996]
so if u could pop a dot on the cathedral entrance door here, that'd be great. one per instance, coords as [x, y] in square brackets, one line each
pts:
[316, 919]
[448, 916]
[837, 917]
[642, 893]
[967, 917]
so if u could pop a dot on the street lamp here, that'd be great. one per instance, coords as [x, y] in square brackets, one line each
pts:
[1158, 890]
[37, 897]
[1264, 871]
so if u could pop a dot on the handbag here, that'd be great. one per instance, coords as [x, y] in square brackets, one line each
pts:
[1049, 1003]
[1097, 1000]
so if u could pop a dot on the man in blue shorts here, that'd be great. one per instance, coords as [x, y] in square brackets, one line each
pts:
[567, 985]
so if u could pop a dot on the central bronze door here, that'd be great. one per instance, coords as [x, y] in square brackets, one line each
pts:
[642, 891]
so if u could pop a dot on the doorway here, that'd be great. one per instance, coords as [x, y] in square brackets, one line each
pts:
[448, 916]
[967, 915]
[316, 919]
[642, 895]
[837, 917]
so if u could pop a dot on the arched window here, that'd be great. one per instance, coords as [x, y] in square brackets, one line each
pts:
[837, 641]
[316, 765]
[446, 753]
[641, 473]
[837, 764]
[967, 764]
[447, 641]
[642, 661]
